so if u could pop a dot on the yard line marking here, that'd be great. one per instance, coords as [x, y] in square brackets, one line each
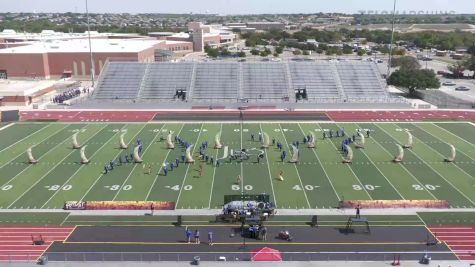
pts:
[120, 151]
[214, 172]
[241, 165]
[135, 165]
[296, 169]
[430, 166]
[73, 175]
[161, 166]
[36, 145]
[270, 174]
[470, 175]
[29, 165]
[8, 126]
[470, 143]
[188, 168]
[401, 165]
[56, 165]
[397, 191]
[35, 132]
[354, 174]
[326, 174]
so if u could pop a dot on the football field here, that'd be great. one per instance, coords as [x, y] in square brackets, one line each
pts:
[318, 180]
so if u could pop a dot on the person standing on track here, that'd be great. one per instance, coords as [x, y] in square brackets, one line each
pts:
[197, 236]
[238, 179]
[358, 210]
[188, 234]
[210, 238]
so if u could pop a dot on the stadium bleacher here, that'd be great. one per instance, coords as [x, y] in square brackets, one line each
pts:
[121, 80]
[215, 81]
[162, 80]
[360, 81]
[316, 78]
[264, 80]
[236, 82]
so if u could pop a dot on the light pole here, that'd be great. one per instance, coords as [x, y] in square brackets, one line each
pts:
[392, 40]
[90, 47]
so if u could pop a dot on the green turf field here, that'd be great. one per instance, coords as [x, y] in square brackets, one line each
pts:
[319, 180]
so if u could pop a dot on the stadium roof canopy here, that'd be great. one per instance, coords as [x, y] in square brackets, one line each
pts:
[82, 46]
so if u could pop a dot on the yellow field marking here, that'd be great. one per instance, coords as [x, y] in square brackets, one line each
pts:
[252, 243]
[74, 229]
[233, 225]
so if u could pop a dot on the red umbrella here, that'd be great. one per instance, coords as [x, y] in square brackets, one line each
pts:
[265, 254]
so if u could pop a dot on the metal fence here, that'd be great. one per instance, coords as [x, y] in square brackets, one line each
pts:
[243, 255]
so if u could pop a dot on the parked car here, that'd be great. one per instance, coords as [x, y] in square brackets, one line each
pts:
[462, 88]
[448, 83]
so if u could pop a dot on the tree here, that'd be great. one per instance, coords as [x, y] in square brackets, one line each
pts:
[470, 65]
[212, 52]
[297, 52]
[255, 52]
[279, 50]
[347, 50]
[399, 51]
[306, 52]
[457, 69]
[276, 54]
[241, 54]
[413, 80]
[406, 62]
[361, 52]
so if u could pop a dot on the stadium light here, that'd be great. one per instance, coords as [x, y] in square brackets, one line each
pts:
[392, 40]
[90, 47]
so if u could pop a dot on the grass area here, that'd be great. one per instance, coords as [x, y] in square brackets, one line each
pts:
[205, 220]
[319, 180]
[30, 218]
[448, 218]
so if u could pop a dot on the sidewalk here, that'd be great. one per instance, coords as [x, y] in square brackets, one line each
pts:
[239, 264]
[212, 212]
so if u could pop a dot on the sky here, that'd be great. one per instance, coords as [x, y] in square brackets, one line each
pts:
[228, 7]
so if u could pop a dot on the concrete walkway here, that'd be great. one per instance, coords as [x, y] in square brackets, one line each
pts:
[240, 264]
[212, 212]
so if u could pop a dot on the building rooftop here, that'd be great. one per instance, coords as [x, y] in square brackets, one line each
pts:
[23, 88]
[82, 46]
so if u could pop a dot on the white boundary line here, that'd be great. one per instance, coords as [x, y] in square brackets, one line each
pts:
[102, 173]
[54, 167]
[270, 174]
[242, 167]
[29, 165]
[372, 162]
[473, 178]
[404, 167]
[160, 168]
[188, 167]
[74, 174]
[33, 133]
[351, 169]
[319, 162]
[430, 166]
[135, 165]
[49, 136]
[214, 171]
[10, 125]
[456, 136]
[296, 169]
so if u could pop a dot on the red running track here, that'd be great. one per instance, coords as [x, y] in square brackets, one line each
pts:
[144, 116]
[16, 242]
[460, 239]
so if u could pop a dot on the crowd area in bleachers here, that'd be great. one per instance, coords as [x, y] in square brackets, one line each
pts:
[69, 94]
